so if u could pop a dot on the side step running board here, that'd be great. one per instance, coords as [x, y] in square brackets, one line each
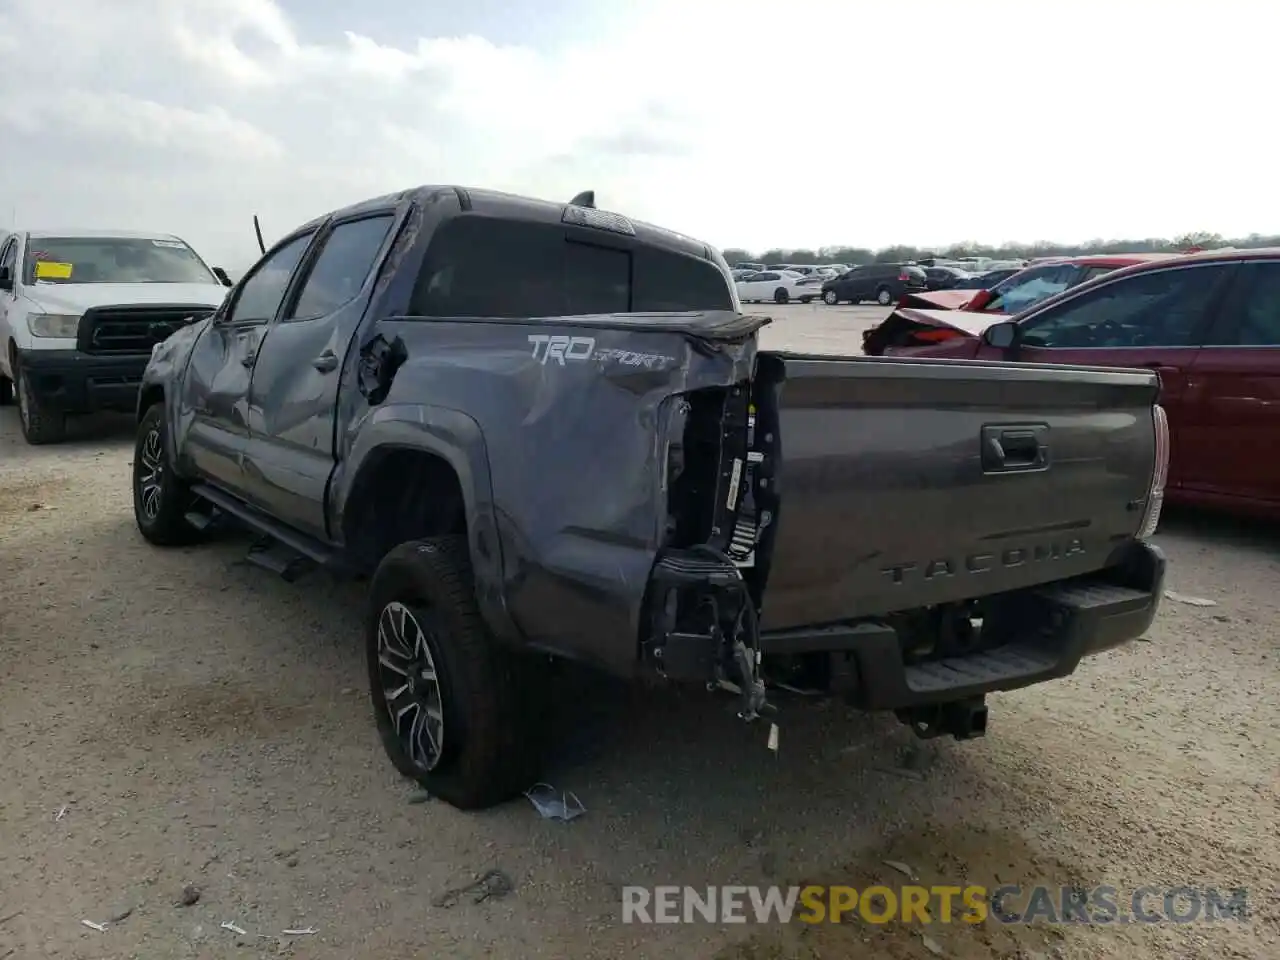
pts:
[282, 549]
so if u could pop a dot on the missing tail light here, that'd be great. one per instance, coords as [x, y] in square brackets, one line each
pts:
[1159, 476]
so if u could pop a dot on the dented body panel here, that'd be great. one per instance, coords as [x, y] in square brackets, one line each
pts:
[562, 460]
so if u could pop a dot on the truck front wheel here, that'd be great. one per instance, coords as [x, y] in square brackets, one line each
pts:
[450, 702]
[40, 424]
[160, 497]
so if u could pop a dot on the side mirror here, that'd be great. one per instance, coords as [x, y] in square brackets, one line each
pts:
[222, 277]
[1002, 335]
[6, 278]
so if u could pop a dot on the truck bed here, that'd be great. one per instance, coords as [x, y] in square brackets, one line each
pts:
[893, 496]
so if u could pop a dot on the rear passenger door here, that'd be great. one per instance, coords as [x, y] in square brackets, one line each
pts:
[1233, 407]
[294, 391]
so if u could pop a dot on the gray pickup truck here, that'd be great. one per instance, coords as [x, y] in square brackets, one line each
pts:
[546, 431]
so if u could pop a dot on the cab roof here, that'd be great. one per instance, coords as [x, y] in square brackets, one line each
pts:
[497, 203]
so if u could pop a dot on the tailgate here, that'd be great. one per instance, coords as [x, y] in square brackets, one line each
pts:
[893, 496]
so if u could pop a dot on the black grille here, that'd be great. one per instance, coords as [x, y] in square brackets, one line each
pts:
[121, 331]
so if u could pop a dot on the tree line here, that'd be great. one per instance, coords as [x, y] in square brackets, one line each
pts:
[1008, 251]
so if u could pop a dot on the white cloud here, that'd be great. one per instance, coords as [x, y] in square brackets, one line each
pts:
[752, 123]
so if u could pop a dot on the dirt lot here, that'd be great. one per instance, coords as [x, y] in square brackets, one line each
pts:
[177, 718]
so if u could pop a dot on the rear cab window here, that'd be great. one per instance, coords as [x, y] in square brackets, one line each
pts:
[510, 269]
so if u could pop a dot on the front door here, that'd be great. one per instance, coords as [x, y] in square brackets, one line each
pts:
[1154, 319]
[1233, 411]
[213, 419]
[294, 392]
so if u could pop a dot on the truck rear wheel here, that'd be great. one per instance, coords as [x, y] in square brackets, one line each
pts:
[449, 701]
[6, 391]
[161, 499]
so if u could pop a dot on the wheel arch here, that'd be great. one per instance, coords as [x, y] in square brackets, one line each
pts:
[400, 451]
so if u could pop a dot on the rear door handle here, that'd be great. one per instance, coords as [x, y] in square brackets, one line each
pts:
[327, 362]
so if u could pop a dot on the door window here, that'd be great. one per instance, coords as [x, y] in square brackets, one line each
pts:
[260, 294]
[1255, 320]
[484, 267]
[9, 256]
[339, 273]
[1160, 308]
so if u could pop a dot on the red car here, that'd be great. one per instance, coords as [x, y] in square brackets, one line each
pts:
[1209, 324]
[1024, 289]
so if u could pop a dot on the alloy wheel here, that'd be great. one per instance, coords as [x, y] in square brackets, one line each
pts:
[151, 476]
[410, 685]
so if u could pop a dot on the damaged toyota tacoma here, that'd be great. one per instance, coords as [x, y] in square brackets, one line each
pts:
[545, 431]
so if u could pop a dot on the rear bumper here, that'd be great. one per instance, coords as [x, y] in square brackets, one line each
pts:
[73, 382]
[1054, 627]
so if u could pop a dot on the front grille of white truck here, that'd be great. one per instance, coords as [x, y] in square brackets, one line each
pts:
[133, 330]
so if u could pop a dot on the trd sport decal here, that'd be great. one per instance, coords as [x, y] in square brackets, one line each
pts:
[563, 350]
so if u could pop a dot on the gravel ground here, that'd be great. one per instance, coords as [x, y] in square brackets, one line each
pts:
[200, 724]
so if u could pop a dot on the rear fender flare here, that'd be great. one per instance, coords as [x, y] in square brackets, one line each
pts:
[457, 439]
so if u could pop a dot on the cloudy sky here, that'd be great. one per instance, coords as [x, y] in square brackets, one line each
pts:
[752, 124]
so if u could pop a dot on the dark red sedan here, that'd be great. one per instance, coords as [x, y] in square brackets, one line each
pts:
[1209, 324]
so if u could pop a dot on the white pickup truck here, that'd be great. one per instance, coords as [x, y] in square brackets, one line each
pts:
[80, 312]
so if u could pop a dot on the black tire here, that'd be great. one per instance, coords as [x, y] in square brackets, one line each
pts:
[6, 391]
[161, 499]
[830, 298]
[483, 747]
[40, 425]
[781, 296]
[884, 296]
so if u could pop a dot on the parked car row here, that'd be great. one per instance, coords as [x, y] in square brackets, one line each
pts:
[1207, 323]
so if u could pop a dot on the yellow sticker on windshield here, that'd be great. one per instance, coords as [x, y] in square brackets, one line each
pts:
[52, 270]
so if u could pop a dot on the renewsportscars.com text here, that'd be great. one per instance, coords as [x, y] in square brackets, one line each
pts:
[972, 904]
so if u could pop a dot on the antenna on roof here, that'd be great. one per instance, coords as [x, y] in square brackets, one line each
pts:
[587, 198]
[257, 229]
